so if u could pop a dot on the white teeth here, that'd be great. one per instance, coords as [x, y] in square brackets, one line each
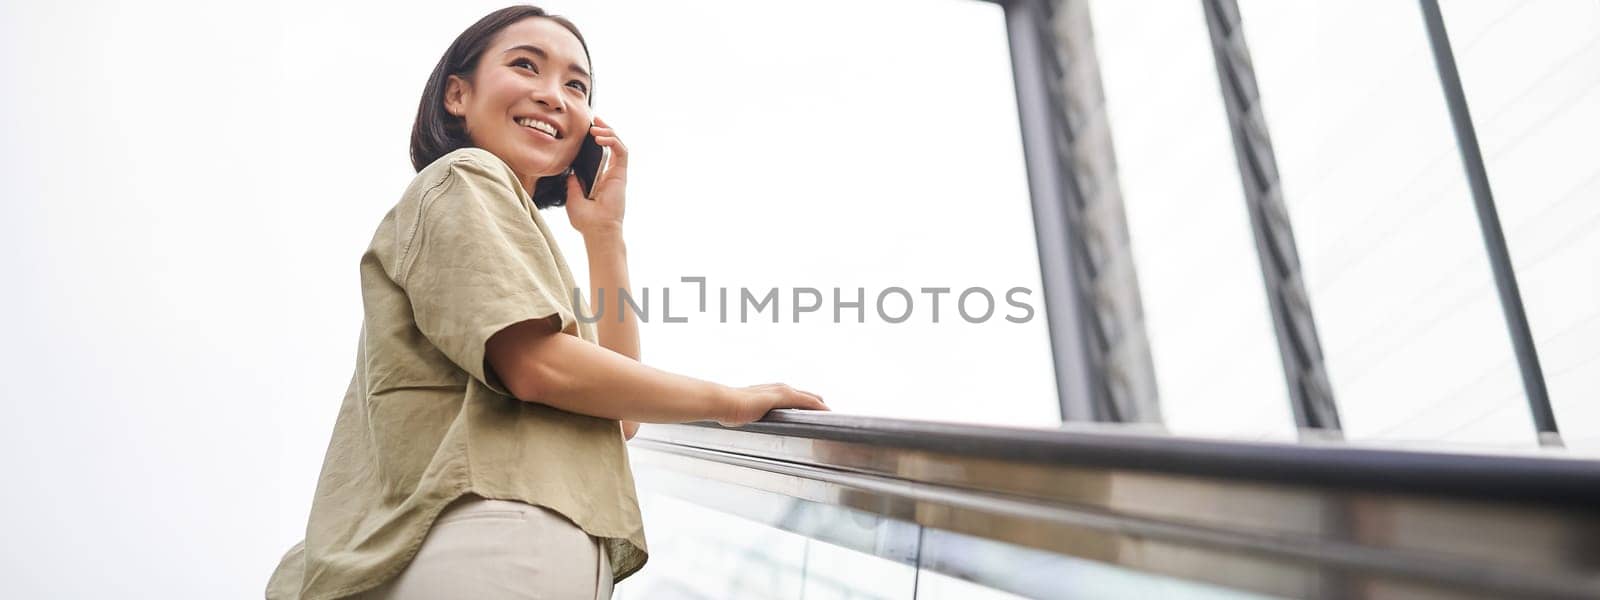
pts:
[537, 124]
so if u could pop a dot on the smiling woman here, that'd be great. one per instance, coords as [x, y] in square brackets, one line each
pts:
[480, 449]
[505, 92]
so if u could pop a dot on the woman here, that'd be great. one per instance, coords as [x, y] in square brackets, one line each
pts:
[480, 449]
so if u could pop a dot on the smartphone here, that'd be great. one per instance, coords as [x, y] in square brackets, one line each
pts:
[591, 159]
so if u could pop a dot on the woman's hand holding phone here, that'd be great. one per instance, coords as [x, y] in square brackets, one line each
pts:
[601, 213]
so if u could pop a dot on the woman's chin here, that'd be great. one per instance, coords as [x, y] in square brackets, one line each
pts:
[541, 169]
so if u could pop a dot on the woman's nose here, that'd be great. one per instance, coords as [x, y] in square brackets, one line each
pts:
[546, 91]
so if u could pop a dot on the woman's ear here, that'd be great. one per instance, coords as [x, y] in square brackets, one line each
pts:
[455, 92]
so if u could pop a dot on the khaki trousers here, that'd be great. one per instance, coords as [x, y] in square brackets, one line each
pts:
[498, 549]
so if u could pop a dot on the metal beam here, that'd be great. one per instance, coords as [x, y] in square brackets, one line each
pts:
[1298, 345]
[1494, 238]
[1104, 370]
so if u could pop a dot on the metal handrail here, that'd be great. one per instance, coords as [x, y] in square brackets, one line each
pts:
[1291, 519]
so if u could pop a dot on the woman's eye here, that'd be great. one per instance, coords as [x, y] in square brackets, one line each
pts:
[525, 63]
[579, 85]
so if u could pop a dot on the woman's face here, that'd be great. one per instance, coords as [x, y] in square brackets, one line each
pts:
[531, 79]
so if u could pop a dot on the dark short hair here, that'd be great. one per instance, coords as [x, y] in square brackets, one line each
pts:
[437, 132]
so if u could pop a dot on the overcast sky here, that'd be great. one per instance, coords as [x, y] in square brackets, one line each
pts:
[190, 186]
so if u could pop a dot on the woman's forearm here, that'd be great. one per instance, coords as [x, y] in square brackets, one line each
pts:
[538, 364]
[608, 280]
[608, 270]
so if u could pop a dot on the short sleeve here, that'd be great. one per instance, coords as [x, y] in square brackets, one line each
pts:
[478, 263]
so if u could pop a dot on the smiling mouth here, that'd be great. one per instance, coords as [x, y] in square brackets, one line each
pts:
[539, 126]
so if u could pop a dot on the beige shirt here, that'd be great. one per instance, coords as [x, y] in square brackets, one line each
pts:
[463, 255]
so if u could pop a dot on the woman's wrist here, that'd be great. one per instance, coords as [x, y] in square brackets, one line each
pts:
[722, 404]
[608, 234]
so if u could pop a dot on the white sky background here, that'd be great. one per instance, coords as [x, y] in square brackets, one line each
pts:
[190, 186]
[1416, 344]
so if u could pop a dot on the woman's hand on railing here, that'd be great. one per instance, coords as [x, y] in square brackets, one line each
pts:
[748, 404]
